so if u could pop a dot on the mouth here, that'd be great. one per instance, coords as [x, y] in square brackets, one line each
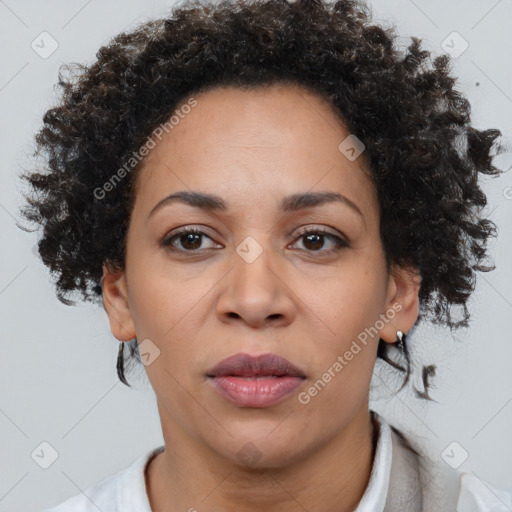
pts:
[255, 367]
[255, 381]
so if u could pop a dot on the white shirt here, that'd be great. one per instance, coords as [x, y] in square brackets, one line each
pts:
[125, 491]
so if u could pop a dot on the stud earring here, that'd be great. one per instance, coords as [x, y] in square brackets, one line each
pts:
[400, 340]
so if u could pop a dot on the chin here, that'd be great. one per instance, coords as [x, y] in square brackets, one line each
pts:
[265, 450]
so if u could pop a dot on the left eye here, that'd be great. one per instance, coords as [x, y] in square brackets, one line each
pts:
[314, 237]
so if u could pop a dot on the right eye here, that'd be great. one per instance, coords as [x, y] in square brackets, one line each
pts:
[188, 238]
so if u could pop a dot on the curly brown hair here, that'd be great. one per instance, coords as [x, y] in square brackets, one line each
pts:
[424, 156]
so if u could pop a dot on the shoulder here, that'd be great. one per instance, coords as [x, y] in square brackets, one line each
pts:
[449, 489]
[477, 495]
[123, 491]
[442, 487]
[102, 496]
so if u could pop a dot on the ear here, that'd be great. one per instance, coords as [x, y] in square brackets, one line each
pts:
[116, 303]
[402, 299]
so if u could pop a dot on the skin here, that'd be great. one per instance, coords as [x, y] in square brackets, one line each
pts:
[297, 299]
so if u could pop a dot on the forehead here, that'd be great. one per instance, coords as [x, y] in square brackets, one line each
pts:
[277, 115]
[241, 144]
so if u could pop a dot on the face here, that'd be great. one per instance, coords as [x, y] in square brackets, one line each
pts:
[250, 280]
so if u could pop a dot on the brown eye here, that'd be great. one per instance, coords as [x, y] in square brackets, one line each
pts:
[190, 240]
[314, 241]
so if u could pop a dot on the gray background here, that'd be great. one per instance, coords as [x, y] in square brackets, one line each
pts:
[57, 373]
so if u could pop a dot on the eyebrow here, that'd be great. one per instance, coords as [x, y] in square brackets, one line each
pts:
[295, 202]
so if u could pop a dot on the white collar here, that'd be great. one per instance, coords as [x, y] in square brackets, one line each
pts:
[131, 493]
[374, 497]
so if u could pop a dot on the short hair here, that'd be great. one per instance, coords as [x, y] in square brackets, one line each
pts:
[424, 156]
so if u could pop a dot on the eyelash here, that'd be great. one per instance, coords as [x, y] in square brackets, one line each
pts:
[340, 243]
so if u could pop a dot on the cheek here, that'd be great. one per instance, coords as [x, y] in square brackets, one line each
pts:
[172, 312]
[161, 300]
[350, 309]
[341, 383]
[351, 300]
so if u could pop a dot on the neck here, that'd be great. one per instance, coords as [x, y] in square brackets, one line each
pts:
[332, 478]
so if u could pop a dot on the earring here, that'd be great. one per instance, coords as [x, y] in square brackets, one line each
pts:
[400, 340]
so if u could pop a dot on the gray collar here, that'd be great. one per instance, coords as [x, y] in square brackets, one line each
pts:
[418, 483]
[405, 489]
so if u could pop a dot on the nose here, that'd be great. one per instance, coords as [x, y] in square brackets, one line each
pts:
[255, 290]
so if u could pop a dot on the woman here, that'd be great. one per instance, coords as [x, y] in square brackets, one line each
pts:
[263, 196]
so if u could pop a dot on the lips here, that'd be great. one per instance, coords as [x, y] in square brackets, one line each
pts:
[255, 381]
[264, 365]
